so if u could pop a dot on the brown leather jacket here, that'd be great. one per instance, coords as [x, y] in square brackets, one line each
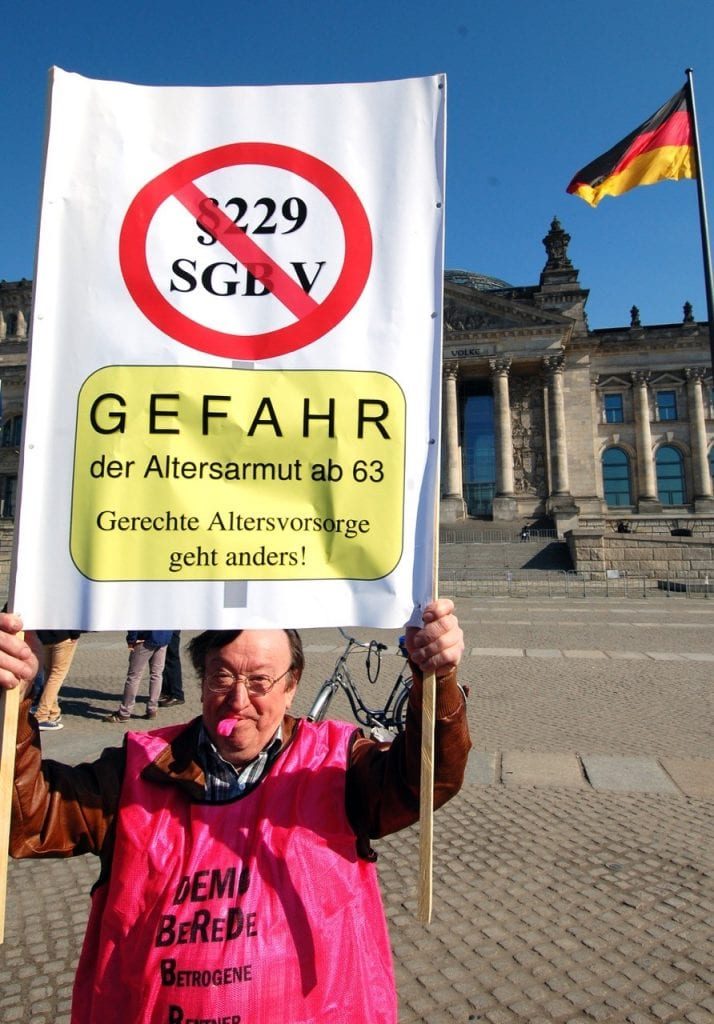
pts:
[61, 811]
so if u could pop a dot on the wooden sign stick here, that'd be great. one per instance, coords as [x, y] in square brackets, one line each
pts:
[426, 800]
[9, 713]
[426, 786]
[9, 708]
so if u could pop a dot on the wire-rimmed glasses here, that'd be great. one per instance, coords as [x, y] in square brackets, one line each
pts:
[258, 684]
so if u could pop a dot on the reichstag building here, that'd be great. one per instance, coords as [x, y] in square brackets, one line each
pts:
[543, 418]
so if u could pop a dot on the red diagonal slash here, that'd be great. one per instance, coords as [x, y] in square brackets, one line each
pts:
[313, 319]
[240, 245]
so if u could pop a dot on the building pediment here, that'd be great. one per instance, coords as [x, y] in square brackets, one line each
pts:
[667, 378]
[474, 312]
[613, 380]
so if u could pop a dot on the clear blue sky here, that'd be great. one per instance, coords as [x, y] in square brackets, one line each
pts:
[537, 89]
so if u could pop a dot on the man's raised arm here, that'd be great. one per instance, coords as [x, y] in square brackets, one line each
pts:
[383, 779]
[57, 810]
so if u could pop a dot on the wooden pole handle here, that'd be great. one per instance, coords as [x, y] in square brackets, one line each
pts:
[9, 708]
[426, 785]
[426, 800]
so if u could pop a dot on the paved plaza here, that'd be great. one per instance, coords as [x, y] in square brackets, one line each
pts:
[573, 877]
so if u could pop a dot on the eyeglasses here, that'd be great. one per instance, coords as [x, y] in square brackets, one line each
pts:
[258, 685]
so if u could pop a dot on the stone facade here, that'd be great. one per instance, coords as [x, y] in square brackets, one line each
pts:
[15, 303]
[542, 416]
[587, 424]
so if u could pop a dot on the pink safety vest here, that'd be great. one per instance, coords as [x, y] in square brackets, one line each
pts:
[253, 912]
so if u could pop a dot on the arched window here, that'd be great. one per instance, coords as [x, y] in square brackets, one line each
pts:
[616, 477]
[670, 475]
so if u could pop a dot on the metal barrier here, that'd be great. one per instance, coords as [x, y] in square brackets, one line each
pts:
[449, 535]
[507, 583]
[688, 586]
[523, 583]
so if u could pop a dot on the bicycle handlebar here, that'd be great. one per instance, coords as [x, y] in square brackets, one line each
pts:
[374, 644]
[374, 650]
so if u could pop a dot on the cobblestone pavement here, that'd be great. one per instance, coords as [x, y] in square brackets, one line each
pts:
[573, 873]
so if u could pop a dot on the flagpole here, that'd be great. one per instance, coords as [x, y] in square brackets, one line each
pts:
[706, 251]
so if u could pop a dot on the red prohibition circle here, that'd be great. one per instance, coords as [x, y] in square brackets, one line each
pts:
[315, 323]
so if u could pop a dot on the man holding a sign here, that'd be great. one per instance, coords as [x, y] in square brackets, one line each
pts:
[235, 850]
[250, 400]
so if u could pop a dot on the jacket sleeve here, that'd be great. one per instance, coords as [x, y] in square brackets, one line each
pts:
[59, 810]
[383, 779]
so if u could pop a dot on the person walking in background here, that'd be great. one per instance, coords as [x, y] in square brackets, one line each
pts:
[172, 682]
[58, 648]
[146, 647]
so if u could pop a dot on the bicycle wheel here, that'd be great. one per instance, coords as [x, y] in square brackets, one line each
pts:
[321, 703]
[400, 711]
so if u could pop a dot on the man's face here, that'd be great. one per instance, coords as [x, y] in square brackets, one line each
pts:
[265, 652]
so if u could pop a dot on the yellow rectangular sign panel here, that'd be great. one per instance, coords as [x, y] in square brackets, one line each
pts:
[200, 473]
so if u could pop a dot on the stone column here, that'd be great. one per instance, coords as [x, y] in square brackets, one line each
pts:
[452, 501]
[647, 482]
[505, 506]
[554, 366]
[502, 425]
[560, 502]
[452, 462]
[703, 494]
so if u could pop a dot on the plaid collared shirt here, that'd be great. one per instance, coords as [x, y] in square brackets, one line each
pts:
[223, 781]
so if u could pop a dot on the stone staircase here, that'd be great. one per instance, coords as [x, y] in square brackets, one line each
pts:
[474, 548]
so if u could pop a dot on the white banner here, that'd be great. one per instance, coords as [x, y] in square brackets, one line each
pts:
[233, 401]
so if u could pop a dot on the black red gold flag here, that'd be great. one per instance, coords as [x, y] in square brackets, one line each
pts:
[662, 147]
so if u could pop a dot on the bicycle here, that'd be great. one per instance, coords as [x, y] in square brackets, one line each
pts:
[384, 722]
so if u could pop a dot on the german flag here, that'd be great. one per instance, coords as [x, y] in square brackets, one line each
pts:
[662, 147]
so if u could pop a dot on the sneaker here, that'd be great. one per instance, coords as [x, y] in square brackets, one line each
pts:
[50, 724]
[150, 713]
[169, 702]
[115, 718]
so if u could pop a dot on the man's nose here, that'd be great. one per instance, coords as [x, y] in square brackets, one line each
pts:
[238, 696]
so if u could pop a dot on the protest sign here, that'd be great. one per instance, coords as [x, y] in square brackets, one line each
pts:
[233, 402]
